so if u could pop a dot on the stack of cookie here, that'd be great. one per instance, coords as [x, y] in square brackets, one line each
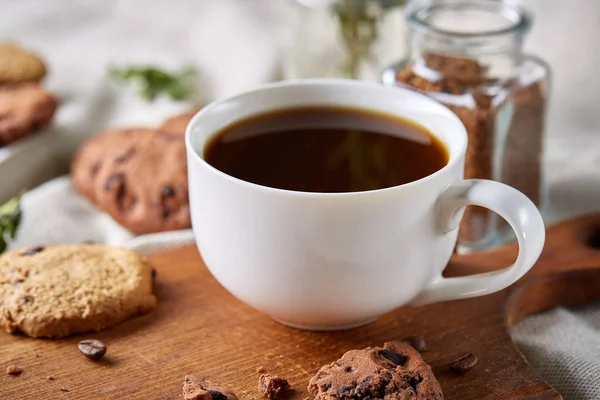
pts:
[25, 106]
[137, 175]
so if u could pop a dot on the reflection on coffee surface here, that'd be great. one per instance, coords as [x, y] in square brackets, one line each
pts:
[326, 149]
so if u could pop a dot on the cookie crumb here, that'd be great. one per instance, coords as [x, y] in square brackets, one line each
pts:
[260, 370]
[64, 389]
[201, 389]
[272, 385]
[50, 378]
[14, 370]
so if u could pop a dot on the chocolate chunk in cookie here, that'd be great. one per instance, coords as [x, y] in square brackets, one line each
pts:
[201, 389]
[19, 65]
[137, 177]
[394, 372]
[392, 356]
[33, 250]
[68, 289]
[24, 108]
[272, 386]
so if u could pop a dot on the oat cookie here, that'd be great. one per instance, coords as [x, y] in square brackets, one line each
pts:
[59, 290]
[177, 125]
[24, 108]
[395, 371]
[201, 389]
[138, 176]
[19, 65]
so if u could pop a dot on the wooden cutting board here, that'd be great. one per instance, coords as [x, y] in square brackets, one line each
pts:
[199, 328]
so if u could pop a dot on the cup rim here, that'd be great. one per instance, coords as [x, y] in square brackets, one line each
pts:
[320, 82]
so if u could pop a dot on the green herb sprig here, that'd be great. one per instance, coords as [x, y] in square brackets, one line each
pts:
[359, 28]
[154, 81]
[10, 218]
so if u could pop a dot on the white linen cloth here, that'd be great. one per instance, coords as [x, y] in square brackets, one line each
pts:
[236, 44]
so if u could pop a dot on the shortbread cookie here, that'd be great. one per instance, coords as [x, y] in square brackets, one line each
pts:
[24, 108]
[138, 176]
[201, 389]
[394, 372]
[19, 65]
[177, 125]
[59, 290]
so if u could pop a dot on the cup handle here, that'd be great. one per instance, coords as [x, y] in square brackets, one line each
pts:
[515, 208]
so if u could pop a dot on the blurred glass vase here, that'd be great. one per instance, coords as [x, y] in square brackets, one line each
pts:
[345, 39]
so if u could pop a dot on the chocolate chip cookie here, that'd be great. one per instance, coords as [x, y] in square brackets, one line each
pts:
[138, 176]
[201, 389]
[19, 65]
[59, 290]
[177, 125]
[24, 108]
[395, 371]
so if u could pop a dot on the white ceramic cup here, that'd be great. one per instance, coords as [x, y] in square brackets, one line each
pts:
[326, 261]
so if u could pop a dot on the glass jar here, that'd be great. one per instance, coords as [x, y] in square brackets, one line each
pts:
[345, 39]
[468, 54]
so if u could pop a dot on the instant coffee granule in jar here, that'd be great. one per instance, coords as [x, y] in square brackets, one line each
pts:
[498, 93]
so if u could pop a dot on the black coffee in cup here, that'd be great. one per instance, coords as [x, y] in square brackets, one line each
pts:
[326, 150]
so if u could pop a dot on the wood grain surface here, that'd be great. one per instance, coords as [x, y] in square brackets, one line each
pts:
[199, 328]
